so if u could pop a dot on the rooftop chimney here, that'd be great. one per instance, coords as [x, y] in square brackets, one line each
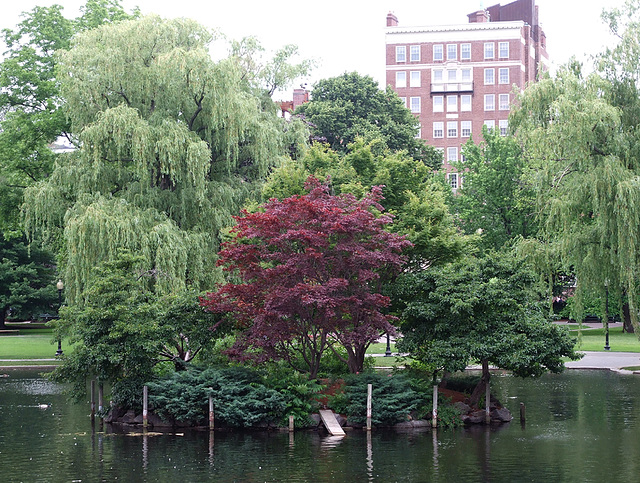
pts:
[479, 16]
[392, 20]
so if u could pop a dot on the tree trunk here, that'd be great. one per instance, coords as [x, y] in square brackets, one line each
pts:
[627, 326]
[479, 390]
[355, 362]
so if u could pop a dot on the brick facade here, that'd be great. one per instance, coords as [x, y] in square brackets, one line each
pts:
[468, 69]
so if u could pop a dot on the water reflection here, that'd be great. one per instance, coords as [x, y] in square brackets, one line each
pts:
[581, 426]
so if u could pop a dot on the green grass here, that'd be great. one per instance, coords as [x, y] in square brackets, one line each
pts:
[387, 361]
[594, 340]
[380, 348]
[37, 345]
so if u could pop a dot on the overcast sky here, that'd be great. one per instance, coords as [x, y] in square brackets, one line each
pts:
[348, 35]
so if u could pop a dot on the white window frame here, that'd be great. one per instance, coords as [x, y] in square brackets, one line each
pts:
[401, 79]
[452, 51]
[465, 51]
[490, 123]
[452, 129]
[437, 75]
[466, 75]
[465, 102]
[404, 101]
[414, 78]
[415, 104]
[438, 103]
[503, 50]
[414, 53]
[465, 129]
[489, 50]
[489, 76]
[489, 102]
[438, 52]
[503, 75]
[452, 154]
[452, 178]
[504, 102]
[438, 130]
[503, 125]
[401, 53]
[452, 75]
[452, 103]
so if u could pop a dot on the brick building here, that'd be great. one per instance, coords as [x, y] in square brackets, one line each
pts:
[455, 78]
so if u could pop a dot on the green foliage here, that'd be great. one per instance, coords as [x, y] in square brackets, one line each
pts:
[240, 398]
[392, 399]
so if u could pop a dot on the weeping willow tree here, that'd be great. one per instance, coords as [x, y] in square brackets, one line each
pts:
[587, 179]
[171, 142]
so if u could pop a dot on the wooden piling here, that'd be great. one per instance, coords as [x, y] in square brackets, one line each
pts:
[522, 413]
[369, 398]
[145, 406]
[487, 403]
[100, 399]
[434, 415]
[211, 415]
[93, 399]
[291, 423]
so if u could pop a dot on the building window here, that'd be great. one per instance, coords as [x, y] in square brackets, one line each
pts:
[452, 103]
[504, 127]
[419, 133]
[401, 79]
[401, 53]
[414, 52]
[415, 104]
[452, 129]
[452, 75]
[489, 50]
[452, 155]
[465, 51]
[489, 102]
[437, 75]
[438, 129]
[438, 52]
[465, 129]
[466, 75]
[489, 76]
[503, 50]
[503, 76]
[404, 101]
[452, 52]
[414, 79]
[465, 102]
[453, 180]
[491, 124]
[504, 102]
[438, 104]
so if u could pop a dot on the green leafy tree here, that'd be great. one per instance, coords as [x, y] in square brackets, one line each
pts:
[480, 310]
[27, 280]
[30, 99]
[495, 199]
[350, 106]
[172, 143]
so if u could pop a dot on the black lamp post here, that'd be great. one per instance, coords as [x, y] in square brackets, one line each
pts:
[60, 287]
[387, 353]
[606, 316]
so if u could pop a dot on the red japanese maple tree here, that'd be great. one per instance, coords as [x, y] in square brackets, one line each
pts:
[311, 269]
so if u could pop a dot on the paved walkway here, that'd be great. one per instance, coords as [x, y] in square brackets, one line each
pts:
[614, 361]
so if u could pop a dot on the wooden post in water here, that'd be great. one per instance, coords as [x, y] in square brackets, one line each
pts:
[145, 406]
[211, 415]
[100, 397]
[434, 420]
[93, 399]
[487, 403]
[369, 397]
[291, 423]
[522, 413]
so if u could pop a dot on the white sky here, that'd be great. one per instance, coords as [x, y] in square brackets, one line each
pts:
[348, 35]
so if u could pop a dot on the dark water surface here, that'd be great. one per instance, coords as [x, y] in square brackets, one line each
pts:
[582, 426]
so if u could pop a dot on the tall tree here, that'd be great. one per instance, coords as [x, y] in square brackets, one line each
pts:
[480, 310]
[311, 269]
[172, 143]
[350, 106]
[495, 198]
[30, 97]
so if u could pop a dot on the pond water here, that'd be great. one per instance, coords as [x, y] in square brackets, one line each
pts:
[581, 426]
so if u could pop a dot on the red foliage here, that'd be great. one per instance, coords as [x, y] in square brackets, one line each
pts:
[311, 269]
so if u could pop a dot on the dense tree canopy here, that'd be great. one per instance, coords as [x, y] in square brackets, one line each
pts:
[480, 310]
[171, 145]
[311, 269]
[350, 106]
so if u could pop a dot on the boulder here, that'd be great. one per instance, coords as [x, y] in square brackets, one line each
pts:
[502, 415]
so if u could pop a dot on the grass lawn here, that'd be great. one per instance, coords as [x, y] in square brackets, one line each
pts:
[38, 344]
[387, 361]
[380, 348]
[594, 339]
